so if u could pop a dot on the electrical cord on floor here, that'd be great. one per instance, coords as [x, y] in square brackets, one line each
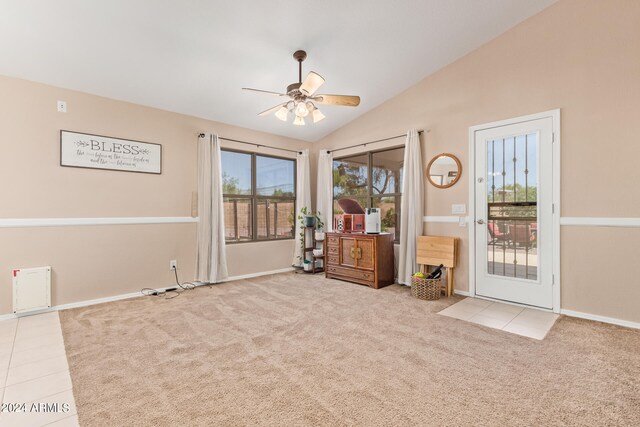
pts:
[171, 292]
[184, 286]
[166, 293]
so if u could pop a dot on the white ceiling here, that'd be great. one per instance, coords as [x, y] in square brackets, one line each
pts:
[193, 56]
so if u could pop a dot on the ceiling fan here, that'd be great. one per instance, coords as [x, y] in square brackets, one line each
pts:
[302, 97]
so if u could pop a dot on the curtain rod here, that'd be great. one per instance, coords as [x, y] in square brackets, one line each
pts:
[202, 135]
[364, 144]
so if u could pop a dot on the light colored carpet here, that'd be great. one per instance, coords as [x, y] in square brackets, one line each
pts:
[295, 349]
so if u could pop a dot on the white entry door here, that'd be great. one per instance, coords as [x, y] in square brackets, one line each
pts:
[514, 230]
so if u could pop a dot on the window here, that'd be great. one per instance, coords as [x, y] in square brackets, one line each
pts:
[259, 196]
[373, 179]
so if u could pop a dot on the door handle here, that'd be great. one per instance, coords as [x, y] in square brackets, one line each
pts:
[359, 253]
[353, 254]
[480, 221]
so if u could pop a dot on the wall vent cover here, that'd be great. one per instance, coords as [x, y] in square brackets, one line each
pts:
[31, 289]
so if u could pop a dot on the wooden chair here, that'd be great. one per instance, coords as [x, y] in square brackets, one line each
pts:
[436, 250]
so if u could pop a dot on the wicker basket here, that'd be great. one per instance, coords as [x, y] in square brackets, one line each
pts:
[427, 289]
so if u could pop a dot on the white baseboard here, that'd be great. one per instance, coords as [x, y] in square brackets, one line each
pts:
[459, 292]
[598, 318]
[100, 300]
[138, 294]
[261, 273]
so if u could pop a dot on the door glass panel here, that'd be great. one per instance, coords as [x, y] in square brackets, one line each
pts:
[512, 204]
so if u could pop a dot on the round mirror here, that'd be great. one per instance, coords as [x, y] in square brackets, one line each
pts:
[444, 170]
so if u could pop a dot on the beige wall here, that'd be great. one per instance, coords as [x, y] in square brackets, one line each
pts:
[99, 261]
[580, 56]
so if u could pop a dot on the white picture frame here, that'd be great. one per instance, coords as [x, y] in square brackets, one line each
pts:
[83, 150]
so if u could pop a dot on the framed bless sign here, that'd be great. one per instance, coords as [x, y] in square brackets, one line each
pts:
[81, 150]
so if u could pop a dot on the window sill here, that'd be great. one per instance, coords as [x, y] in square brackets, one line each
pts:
[242, 242]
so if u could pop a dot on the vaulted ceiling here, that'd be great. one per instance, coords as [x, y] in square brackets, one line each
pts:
[193, 57]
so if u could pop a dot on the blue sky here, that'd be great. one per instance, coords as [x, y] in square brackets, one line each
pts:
[271, 173]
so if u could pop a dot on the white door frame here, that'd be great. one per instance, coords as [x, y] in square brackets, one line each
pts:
[555, 118]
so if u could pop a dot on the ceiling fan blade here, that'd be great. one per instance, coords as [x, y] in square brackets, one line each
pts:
[311, 83]
[265, 91]
[346, 100]
[271, 110]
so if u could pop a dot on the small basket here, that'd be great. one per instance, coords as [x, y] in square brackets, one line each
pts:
[427, 289]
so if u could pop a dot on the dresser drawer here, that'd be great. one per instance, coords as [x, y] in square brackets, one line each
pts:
[368, 276]
[333, 259]
[333, 250]
[333, 240]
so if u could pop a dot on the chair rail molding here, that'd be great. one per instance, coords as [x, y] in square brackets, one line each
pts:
[570, 221]
[444, 218]
[67, 222]
[600, 221]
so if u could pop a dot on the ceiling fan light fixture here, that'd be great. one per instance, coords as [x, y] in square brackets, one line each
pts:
[301, 94]
[282, 113]
[317, 115]
[301, 110]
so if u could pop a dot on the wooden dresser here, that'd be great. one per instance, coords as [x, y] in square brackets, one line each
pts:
[366, 259]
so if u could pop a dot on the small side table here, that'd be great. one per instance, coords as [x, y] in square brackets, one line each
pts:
[436, 250]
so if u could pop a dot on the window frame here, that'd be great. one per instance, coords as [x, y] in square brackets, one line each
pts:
[370, 196]
[254, 197]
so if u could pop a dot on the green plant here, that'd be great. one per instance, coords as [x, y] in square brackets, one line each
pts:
[389, 219]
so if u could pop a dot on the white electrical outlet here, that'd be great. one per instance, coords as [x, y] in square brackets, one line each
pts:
[462, 221]
[62, 106]
[173, 265]
[458, 209]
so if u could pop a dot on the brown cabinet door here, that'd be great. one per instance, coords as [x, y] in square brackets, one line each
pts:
[365, 254]
[347, 251]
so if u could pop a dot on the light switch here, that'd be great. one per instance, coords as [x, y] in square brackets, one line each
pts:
[458, 209]
[62, 106]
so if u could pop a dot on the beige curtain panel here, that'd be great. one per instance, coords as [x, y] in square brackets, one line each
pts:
[324, 192]
[211, 258]
[303, 199]
[411, 207]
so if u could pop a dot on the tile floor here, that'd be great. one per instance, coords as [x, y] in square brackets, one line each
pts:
[34, 370]
[528, 322]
